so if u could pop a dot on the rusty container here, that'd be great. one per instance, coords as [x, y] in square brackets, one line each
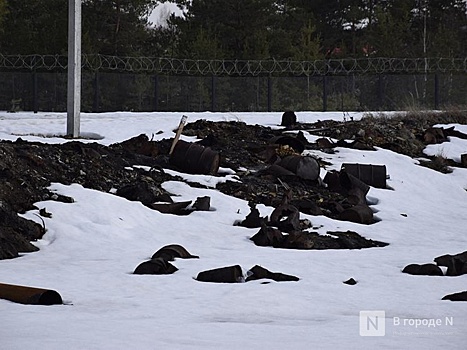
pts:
[193, 158]
[303, 166]
[372, 175]
[229, 274]
[29, 295]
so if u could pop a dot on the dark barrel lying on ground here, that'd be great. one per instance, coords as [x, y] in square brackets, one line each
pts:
[29, 295]
[195, 159]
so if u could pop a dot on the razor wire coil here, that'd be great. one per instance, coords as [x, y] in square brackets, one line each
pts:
[176, 66]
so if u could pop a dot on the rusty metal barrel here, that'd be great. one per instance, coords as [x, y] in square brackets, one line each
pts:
[303, 166]
[29, 295]
[194, 158]
[372, 175]
[229, 274]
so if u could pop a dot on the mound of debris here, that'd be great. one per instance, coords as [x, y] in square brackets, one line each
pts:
[268, 162]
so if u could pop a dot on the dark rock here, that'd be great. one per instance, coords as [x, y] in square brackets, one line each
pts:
[424, 269]
[461, 296]
[157, 266]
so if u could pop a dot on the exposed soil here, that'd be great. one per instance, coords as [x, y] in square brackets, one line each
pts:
[27, 169]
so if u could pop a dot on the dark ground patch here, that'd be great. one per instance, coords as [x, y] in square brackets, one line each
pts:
[28, 168]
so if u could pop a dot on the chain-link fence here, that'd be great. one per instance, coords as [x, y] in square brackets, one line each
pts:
[38, 83]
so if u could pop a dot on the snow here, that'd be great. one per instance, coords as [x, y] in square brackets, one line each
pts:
[93, 245]
[161, 13]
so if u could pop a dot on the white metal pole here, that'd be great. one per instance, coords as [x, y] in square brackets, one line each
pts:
[74, 68]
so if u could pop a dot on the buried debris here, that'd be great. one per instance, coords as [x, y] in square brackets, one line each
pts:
[461, 296]
[288, 119]
[194, 158]
[159, 263]
[157, 266]
[258, 272]
[350, 282]
[305, 167]
[229, 274]
[181, 208]
[29, 295]
[172, 251]
[272, 237]
[253, 219]
[234, 274]
[424, 269]
[372, 175]
[456, 264]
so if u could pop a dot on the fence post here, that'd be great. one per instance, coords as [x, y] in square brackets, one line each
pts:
[269, 93]
[95, 105]
[380, 92]
[34, 91]
[325, 94]
[213, 93]
[436, 91]
[156, 93]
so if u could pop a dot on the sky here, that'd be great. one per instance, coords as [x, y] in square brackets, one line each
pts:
[93, 245]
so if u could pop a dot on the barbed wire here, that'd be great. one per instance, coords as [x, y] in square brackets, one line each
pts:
[175, 66]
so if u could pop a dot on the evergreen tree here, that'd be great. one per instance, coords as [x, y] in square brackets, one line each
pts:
[34, 27]
[116, 27]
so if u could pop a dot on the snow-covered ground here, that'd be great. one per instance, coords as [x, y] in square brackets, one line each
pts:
[93, 245]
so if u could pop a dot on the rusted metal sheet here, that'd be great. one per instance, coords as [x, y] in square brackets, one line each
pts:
[372, 175]
[29, 295]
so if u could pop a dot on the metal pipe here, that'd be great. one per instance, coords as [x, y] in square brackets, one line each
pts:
[29, 295]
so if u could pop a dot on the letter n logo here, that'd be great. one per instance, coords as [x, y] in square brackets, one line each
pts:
[372, 323]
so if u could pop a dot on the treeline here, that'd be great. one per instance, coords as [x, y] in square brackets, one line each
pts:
[292, 30]
[243, 29]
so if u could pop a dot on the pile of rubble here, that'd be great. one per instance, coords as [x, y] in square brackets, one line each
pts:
[268, 163]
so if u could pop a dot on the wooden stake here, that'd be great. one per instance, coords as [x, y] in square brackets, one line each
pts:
[179, 132]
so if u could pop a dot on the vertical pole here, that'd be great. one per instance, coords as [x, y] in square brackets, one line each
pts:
[34, 91]
[325, 94]
[74, 68]
[213, 93]
[156, 93]
[436, 91]
[380, 92]
[95, 105]
[269, 93]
